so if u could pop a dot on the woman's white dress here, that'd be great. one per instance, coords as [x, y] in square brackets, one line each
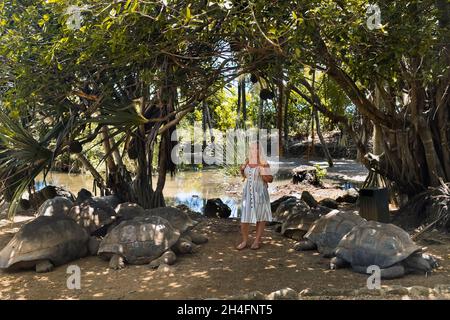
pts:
[255, 198]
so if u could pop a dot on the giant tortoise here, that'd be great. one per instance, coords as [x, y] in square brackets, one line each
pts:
[142, 240]
[325, 233]
[383, 245]
[45, 242]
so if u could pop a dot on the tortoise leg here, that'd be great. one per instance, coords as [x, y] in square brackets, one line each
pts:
[305, 245]
[337, 263]
[396, 271]
[116, 262]
[44, 266]
[168, 257]
[419, 263]
[197, 238]
[93, 245]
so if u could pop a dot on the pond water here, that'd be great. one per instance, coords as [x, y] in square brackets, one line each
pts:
[194, 188]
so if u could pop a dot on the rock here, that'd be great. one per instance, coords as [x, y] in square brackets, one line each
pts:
[368, 292]
[419, 291]
[309, 199]
[395, 290]
[254, 295]
[329, 203]
[215, 208]
[337, 292]
[442, 289]
[164, 268]
[350, 196]
[308, 292]
[283, 294]
[306, 174]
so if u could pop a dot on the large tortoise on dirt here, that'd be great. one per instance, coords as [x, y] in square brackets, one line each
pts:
[384, 245]
[325, 233]
[142, 240]
[45, 242]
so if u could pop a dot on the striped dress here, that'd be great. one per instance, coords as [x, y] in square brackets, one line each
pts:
[255, 198]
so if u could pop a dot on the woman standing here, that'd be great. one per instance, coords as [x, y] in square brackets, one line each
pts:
[255, 198]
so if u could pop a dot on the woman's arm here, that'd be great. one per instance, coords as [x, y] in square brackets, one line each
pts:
[266, 174]
[242, 168]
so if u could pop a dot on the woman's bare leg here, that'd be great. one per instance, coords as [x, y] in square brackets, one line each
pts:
[260, 225]
[244, 233]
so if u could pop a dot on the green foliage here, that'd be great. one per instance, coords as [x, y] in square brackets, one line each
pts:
[321, 173]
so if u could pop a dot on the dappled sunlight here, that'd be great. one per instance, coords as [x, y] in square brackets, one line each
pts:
[216, 270]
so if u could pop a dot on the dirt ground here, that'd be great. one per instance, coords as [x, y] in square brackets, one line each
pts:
[217, 270]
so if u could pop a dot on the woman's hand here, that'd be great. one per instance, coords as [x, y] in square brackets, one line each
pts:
[265, 173]
[242, 168]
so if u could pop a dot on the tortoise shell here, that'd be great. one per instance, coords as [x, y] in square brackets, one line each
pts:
[140, 240]
[93, 215]
[55, 238]
[177, 218]
[376, 243]
[55, 206]
[327, 231]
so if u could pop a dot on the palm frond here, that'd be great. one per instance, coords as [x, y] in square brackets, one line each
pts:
[22, 158]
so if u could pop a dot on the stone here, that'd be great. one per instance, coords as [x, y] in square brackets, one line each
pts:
[283, 294]
[337, 292]
[308, 292]
[254, 295]
[306, 174]
[164, 268]
[309, 199]
[419, 291]
[350, 196]
[395, 290]
[368, 292]
[442, 289]
[215, 208]
[329, 203]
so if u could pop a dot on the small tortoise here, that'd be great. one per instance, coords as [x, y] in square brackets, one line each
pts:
[298, 223]
[289, 206]
[182, 222]
[142, 240]
[55, 206]
[45, 242]
[384, 245]
[95, 216]
[325, 233]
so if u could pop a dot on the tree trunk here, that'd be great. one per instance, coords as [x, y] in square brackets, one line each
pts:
[244, 103]
[322, 140]
[280, 116]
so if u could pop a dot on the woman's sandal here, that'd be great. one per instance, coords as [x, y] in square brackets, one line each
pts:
[241, 246]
